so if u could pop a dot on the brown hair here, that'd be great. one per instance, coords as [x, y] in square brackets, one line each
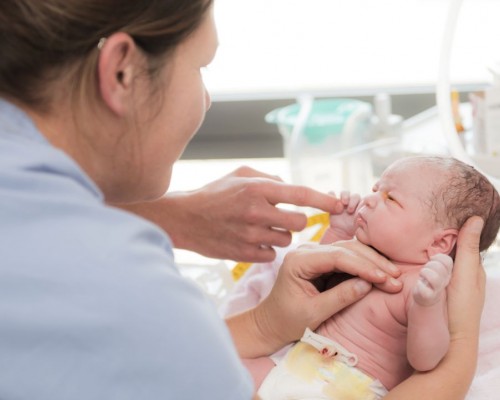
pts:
[466, 192]
[40, 40]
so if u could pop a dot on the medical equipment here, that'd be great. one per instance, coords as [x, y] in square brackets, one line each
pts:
[488, 165]
[384, 122]
[317, 133]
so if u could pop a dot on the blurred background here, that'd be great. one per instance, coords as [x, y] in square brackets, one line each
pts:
[274, 51]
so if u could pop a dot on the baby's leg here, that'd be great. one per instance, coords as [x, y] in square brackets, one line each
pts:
[259, 368]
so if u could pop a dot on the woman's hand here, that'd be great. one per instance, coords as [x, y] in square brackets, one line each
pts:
[466, 290]
[295, 302]
[236, 217]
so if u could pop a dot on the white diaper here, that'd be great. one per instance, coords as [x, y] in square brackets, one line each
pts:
[309, 372]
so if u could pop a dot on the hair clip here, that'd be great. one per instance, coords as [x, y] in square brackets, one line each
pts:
[101, 43]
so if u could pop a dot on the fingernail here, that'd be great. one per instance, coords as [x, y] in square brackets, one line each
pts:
[380, 274]
[361, 286]
[394, 269]
[395, 282]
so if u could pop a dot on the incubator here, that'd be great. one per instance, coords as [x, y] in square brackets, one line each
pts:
[339, 144]
[317, 133]
[476, 152]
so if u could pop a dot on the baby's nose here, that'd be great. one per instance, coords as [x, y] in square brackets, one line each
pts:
[371, 200]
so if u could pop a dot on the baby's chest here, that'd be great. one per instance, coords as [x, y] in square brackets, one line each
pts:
[384, 310]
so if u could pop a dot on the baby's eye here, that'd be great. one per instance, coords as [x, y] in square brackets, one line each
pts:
[387, 196]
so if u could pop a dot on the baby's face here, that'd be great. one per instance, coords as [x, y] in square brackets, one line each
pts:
[396, 218]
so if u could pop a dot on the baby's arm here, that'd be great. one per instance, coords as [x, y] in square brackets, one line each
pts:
[428, 335]
[343, 225]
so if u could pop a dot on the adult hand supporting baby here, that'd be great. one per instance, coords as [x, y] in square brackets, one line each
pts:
[295, 302]
[235, 217]
[452, 377]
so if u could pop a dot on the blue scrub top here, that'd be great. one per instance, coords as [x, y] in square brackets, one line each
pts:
[92, 305]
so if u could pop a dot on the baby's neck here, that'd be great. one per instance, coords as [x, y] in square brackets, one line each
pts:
[406, 267]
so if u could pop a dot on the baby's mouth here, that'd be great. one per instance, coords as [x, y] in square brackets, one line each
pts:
[360, 220]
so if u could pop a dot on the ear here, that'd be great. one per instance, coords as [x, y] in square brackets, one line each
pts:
[116, 68]
[443, 243]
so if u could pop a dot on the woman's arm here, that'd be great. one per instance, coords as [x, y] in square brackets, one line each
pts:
[451, 379]
[236, 216]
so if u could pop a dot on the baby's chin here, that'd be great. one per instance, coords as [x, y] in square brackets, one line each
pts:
[358, 234]
[366, 242]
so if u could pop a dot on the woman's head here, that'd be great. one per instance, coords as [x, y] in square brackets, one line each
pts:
[40, 40]
[115, 84]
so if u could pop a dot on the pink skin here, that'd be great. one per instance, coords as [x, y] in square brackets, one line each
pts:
[397, 205]
[394, 334]
[434, 276]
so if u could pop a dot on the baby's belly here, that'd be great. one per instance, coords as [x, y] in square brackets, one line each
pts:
[376, 334]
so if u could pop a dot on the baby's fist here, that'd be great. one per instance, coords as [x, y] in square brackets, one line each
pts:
[433, 279]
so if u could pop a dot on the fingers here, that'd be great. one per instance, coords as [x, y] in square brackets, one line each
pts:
[433, 279]
[247, 172]
[436, 276]
[300, 196]
[252, 254]
[391, 285]
[285, 219]
[424, 294]
[430, 285]
[466, 290]
[316, 260]
[437, 271]
[350, 201]
[383, 267]
[373, 256]
[443, 259]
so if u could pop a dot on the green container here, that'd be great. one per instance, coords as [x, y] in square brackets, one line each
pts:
[327, 117]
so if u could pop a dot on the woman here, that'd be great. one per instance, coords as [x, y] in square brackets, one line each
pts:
[99, 99]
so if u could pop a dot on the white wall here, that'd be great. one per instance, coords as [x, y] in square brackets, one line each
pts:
[275, 47]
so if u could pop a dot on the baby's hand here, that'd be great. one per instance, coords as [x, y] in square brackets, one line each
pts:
[343, 225]
[433, 279]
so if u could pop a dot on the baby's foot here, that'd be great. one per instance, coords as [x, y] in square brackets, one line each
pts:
[433, 279]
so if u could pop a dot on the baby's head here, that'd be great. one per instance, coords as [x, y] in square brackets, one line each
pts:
[462, 193]
[419, 205]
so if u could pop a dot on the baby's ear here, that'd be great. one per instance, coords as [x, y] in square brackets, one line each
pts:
[444, 242]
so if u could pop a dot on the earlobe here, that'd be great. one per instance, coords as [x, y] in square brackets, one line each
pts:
[115, 71]
[444, 242]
